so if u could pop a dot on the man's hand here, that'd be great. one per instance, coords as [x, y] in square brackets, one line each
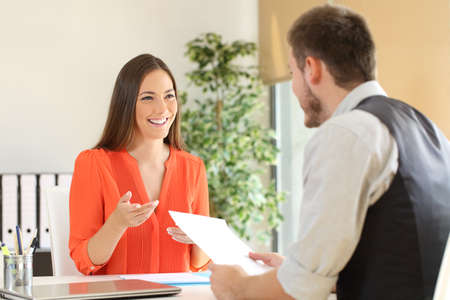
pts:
[227, 282]
[271, 259]
[132, 215]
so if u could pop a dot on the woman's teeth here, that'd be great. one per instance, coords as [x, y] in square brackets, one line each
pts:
[158, 121]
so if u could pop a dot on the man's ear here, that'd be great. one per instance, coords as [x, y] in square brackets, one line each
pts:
[313, 69]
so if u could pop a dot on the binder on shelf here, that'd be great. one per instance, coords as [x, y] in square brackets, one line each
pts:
[9, 208]
[64, 180]
[45, 182]
[28, 209]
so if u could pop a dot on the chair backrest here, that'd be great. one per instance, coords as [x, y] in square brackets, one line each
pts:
[58, 220]
[442, 291]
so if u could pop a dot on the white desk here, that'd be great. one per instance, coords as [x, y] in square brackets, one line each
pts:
[193, 292]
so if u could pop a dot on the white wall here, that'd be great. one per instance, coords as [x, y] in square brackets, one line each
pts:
[59, 60]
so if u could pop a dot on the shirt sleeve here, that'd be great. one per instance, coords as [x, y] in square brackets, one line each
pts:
[86, 210]
[200, 205]
[342, 175]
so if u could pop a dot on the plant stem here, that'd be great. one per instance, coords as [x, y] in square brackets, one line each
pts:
[219, 106]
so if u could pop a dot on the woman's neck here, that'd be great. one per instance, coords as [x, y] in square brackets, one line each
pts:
[149, 152]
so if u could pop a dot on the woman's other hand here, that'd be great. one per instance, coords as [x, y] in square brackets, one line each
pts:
[179, 235]
[129, 214]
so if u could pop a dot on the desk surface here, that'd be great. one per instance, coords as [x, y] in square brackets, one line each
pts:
[194, 292]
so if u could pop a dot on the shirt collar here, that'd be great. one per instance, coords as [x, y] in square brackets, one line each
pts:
[361, 92]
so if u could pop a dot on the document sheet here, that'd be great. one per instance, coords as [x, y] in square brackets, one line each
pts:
[214, 237]
[172, 278]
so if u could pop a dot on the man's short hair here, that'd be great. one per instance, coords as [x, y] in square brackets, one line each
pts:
[340, 38]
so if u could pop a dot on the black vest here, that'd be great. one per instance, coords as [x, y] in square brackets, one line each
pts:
[405, 231]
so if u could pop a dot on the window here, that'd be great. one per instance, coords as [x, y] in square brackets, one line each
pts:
[292, 136]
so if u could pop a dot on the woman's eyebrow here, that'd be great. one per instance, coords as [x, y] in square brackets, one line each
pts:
[147, 92]
[153, 93]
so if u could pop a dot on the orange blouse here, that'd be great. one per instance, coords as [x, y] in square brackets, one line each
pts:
[101, 177]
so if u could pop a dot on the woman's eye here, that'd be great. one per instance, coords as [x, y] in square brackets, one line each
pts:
[147, 98]
[170, 96]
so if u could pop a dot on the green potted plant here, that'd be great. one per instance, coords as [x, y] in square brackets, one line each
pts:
[222, 131]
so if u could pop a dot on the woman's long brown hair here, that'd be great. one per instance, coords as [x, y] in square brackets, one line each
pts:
[119, 127]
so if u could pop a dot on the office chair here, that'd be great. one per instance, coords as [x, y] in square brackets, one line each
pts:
[58, 220]
[442, 291]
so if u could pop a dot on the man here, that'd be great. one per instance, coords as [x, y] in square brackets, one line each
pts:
[376, 206]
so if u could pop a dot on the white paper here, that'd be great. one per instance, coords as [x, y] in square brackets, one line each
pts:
[214, 237]
[170, 278]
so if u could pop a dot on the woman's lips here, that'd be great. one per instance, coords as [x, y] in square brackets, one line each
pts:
[158, 122]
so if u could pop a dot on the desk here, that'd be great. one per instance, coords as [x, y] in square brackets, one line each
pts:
[193, 292]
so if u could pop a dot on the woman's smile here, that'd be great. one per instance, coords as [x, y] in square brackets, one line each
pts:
[158, 122]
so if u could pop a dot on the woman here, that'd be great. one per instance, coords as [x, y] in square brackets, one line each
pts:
[123, 188]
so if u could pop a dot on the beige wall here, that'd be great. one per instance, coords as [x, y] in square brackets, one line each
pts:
[413, 52]
[275, 18]
[413, 47]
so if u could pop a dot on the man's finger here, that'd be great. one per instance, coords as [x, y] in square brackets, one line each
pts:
[259, 256]
[212, 266]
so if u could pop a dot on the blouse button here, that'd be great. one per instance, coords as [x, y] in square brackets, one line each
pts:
[92, 267]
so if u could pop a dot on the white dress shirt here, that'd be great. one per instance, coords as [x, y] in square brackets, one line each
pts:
[348, 164]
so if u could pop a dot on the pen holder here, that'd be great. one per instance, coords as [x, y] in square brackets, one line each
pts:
[18, 273]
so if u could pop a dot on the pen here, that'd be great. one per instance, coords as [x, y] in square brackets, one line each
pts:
[34, 245]
[16, 245]
[19, 241]
[5, 250]
[33, 236]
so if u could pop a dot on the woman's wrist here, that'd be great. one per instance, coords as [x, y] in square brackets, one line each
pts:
[114, 224]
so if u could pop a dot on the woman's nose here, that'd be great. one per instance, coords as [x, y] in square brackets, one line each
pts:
[160, 105]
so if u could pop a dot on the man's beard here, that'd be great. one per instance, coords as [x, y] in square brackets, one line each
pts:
[313, 110]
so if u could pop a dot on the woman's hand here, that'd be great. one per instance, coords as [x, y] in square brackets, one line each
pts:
[270, 259]
[132, 215]
[178, 235]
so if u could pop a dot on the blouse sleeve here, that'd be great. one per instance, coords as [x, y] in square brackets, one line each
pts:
[86, 210]
[200, 205]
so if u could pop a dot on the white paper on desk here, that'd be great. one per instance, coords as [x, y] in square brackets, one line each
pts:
[170, 278]
[214, 237]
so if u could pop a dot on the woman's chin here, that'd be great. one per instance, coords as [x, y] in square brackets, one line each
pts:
[156, 136]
